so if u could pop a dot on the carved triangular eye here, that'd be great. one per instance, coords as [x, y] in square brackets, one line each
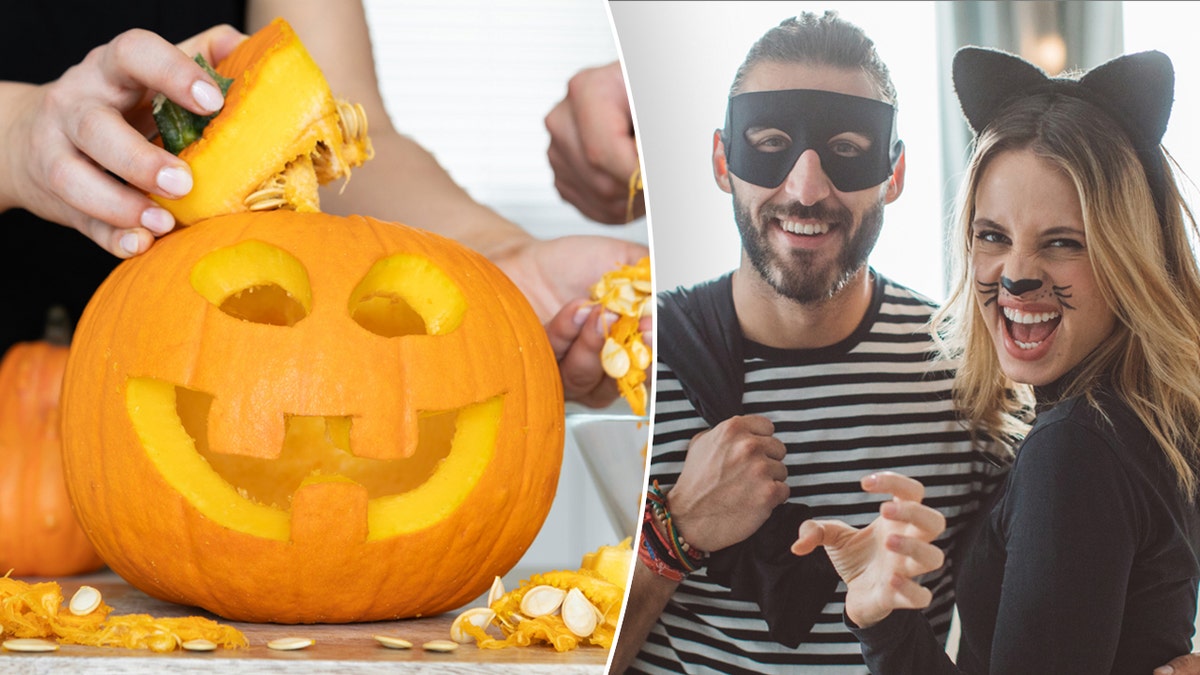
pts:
[407, 295]
[256, 282]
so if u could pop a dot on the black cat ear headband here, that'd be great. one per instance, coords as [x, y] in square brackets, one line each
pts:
[1135, 90]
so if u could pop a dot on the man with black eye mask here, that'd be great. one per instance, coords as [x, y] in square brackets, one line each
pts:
[854, 141]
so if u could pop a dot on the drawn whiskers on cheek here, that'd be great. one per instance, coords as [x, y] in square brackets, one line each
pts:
[990, 291]
[1061, 293]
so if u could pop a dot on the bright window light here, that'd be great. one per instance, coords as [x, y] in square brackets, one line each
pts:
[1170, 27]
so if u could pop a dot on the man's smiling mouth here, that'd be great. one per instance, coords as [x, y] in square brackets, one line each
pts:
[807, 229]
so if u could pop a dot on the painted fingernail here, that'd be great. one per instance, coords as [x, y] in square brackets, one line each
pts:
[174, 180]
[609, 319]
[207, 96]
[582, 314]
[157, 220]
[129, 243]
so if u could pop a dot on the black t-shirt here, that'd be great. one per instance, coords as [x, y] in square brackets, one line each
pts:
[45, 264]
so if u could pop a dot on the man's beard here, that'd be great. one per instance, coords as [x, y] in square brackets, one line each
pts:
[794, 274]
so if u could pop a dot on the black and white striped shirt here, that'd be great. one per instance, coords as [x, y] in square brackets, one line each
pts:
[881, 399]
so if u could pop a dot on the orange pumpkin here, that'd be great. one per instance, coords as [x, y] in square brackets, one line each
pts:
[39, 535]
[298, 417]
[280, 133]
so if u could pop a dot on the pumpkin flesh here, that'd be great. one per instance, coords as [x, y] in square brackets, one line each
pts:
[281, 130]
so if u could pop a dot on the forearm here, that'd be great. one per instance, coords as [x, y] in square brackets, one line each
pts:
[903, 643]
[12, 97]
[648, 596]
[404, 183]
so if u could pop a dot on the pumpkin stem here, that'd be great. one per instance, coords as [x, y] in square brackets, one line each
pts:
[179, 127]
[59, 327]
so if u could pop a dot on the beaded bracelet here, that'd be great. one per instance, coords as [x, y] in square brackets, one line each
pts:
[651, 555]
[690, 558]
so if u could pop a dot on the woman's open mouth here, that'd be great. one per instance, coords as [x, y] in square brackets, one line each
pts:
[1028, 330]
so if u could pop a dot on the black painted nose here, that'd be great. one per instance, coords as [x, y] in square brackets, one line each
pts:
[1020, 286]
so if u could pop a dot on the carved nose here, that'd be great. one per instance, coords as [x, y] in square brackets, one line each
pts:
[1020, 286]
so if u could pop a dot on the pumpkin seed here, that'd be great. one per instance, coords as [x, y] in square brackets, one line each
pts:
[440, 646]
[290, 643]
[578, 614]
[199, 645]
[542, 600]
[393, 642]
[614, 359]
[480, 616]
[640, 353]
[496, 592]
[85, 601]
[29, 645]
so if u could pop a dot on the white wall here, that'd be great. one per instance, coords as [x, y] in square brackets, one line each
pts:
[472, 80]
[1169, 27]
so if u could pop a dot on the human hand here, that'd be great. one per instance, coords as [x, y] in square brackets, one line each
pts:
[1188, 664]
[733, 477]
[77, 151]
[553, 272]
[878, 562]
[577, 335]
[556, 276]
[592, 148]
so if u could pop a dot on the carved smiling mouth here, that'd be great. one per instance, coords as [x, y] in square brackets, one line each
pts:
[1029, 329]
[255, 495]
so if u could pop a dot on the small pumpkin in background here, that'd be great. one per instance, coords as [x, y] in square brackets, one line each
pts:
[299, 417]
[39, 535]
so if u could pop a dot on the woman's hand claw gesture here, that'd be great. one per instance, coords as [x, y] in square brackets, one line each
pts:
[879, 563]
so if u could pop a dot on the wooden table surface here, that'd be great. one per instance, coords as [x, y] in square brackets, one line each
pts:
[340, 648]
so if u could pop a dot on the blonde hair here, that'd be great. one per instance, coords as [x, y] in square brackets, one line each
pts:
[1145, 268]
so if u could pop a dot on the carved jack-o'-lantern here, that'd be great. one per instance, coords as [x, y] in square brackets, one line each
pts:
[306, 418]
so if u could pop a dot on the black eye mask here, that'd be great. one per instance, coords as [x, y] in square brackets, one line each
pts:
[810, 118]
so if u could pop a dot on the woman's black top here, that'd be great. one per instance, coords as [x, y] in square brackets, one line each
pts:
[1086, 563]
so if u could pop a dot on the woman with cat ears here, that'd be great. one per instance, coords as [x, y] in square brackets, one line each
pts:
[1077, 297]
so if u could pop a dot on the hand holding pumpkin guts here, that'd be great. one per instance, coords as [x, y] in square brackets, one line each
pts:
[579, 331]
[65, 137]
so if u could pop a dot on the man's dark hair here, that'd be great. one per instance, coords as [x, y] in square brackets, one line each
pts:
[820, 40]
